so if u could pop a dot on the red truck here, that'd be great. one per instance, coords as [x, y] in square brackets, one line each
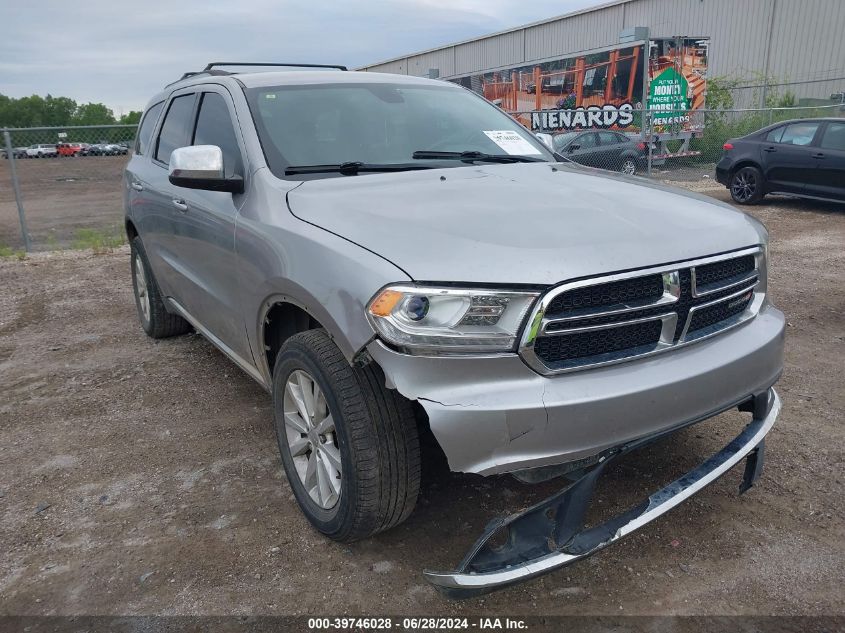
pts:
[69, 149]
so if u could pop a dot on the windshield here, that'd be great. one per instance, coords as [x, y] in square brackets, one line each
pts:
[382, 124]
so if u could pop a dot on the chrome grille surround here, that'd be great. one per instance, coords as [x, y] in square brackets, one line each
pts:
[540, 325]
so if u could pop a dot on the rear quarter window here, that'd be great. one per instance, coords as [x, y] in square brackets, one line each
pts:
[145, 131]
[775, 135]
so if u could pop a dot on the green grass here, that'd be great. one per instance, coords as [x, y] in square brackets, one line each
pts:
[7, 251]
[98, 241]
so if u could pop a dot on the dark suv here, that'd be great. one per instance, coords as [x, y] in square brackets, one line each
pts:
[799, 157]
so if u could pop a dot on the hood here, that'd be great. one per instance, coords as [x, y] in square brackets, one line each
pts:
[520, 223]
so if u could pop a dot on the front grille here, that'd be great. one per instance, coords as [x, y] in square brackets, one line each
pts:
[630, 313]
[648, 288]
[711, 315]
[719, 273]
[566, 347]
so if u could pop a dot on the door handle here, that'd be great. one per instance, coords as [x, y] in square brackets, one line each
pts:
[137, 186]
[769, 149]
[819, 155]
[180, 204]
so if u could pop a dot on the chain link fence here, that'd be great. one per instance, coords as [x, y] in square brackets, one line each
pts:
[60, 187]
[68, 179]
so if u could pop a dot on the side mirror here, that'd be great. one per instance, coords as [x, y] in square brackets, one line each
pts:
[546, 139]
[201, 167]
[573, 147]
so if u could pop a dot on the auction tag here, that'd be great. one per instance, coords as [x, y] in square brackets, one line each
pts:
[512, 142]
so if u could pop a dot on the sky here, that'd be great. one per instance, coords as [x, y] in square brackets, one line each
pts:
[120, 53]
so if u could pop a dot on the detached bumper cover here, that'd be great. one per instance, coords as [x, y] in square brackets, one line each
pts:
[551, 535]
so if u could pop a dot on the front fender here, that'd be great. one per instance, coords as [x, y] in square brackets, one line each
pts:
[282, 258]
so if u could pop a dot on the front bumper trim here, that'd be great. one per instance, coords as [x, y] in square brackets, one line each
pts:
[549, 535]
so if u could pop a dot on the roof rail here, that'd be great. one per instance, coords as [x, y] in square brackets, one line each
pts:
[213, 64]
[196, 73]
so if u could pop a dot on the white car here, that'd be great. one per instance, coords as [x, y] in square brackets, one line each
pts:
[41, 150]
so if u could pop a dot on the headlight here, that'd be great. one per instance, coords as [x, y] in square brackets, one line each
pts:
[426, 320]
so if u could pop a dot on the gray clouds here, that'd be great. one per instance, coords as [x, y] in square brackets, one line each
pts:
[120, 53]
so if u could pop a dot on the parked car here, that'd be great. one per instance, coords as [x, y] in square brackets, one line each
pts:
[393, 257]
[103, 149]
[17, 152]
[605, 148]
[41, 150]
[69, 149]
[97, 149]
[802, 157]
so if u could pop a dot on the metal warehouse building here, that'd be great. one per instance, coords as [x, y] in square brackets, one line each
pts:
[797, 44]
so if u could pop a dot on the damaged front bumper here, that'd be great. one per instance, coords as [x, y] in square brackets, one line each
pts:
[551, 535]
[493, 414]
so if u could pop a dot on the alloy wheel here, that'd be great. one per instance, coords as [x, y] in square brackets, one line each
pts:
[141, 289]
[311, 439]
[744, 185]
[629, 167]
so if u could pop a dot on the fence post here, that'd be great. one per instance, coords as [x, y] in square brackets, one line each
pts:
[648, 127]
[10, 155]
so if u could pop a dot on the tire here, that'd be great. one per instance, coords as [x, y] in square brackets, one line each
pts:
[374, 436]
[628, 165]
[155, 320]
[747, 185]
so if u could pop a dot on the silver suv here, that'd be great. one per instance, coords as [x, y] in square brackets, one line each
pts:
[394, 258]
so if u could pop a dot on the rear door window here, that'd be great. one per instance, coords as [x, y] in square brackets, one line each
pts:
[834, 137]
[608, 138]
[176, 129]
[800, 133]
[587, 140]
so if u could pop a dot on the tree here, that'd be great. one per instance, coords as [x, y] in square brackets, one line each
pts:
[58, 110]
[131, 117]
[92, 114]
[50, 111]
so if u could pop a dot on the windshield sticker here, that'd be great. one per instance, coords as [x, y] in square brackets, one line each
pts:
[512, 142]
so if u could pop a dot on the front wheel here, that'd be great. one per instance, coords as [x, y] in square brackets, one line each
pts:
[348, 444]
[747, 185]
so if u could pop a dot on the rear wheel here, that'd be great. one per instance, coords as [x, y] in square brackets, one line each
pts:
[156, 321]
[348, 444]
[628, 166]
[747, 185]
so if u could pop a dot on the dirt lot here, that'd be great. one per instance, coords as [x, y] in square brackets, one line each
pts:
[61, 196]
[142, 477]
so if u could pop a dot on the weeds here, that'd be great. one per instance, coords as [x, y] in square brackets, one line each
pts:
[7, 251]
[98, 241]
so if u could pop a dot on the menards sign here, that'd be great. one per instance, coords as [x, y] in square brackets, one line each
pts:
[668, 96]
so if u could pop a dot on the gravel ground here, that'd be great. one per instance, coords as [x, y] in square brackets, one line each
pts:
[142, 477]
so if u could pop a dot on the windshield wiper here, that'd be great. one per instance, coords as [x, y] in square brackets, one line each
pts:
[351, 168]
[470, 157]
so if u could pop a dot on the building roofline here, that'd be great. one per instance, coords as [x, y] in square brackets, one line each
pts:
[571, 14]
